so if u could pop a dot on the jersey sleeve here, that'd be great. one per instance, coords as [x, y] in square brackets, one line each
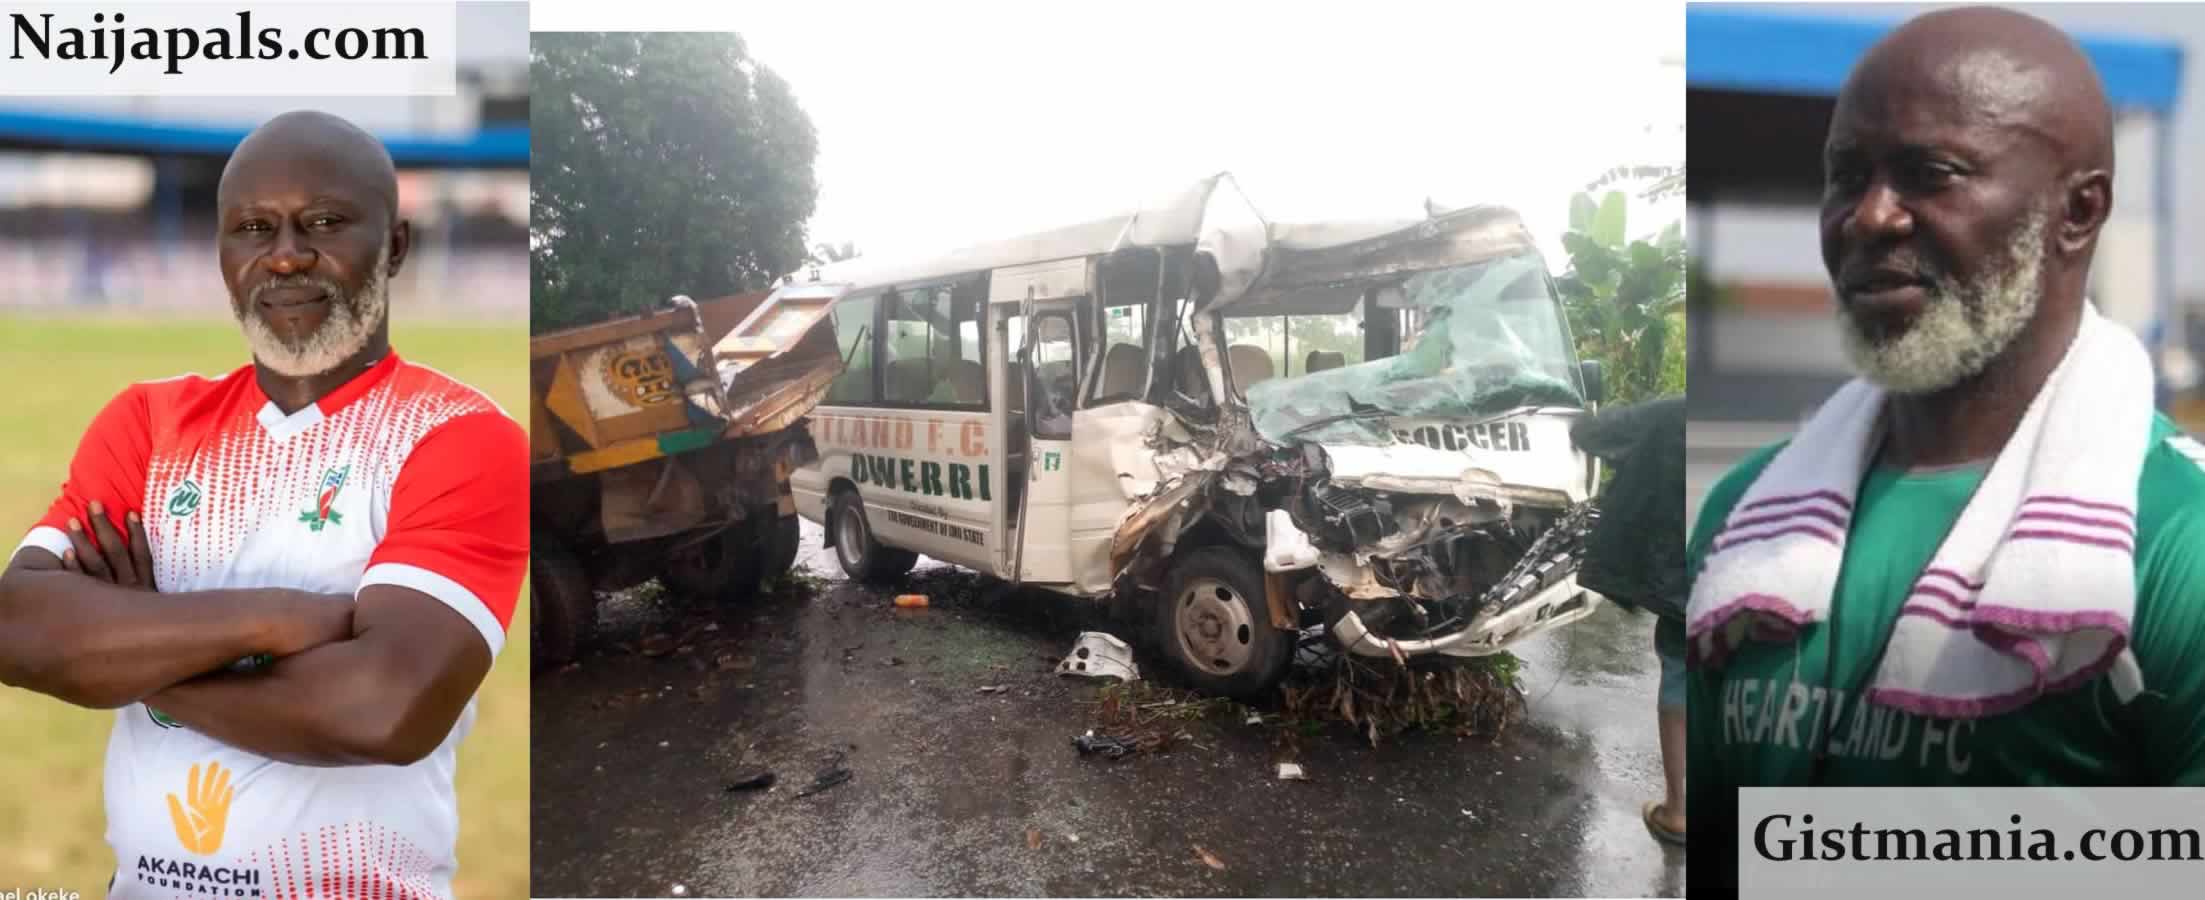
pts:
[109, 468]
[2169, 632]
[458, 527]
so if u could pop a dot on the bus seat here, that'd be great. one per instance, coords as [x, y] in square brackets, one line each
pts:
[1187, 369]
[969, 381]
[1249, 364]
[1320, 360]
[907, 380]
[1123, 367]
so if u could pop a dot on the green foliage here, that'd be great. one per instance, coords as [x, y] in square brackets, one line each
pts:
[1625, 299]
[660, 164]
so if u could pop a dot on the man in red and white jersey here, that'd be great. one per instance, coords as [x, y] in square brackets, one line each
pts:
[290, 580]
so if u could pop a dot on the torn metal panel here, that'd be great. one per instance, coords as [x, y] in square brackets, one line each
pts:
[1334, 253]
[1146, 514]
[775, 392]
[777, 365]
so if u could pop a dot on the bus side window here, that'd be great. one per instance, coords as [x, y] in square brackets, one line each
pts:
[854, 336]
[1056, 377]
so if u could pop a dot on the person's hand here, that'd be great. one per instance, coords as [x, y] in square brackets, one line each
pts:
[311, 620]
[100, 552]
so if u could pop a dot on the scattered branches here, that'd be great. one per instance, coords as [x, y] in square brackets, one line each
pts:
[1382, 698]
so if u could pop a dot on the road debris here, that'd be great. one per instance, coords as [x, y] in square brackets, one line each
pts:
[1292, 772]
[1033, 838]
[829, 776]
[994, 688]
[1100, 655]
[1209, 859]
[751, 780]
[911, 601]
[892, 661]
[1110, 747]
[1474, 697]
[680, 891]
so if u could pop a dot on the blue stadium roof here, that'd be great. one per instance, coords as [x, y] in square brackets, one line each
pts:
[496, 147]
[1790, 53]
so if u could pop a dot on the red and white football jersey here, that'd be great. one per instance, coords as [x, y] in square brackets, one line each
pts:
[401, 476]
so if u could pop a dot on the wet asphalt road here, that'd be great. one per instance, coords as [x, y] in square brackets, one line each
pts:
[632, 753]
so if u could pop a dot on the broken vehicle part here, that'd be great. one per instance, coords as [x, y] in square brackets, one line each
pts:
[1539, 589]
[1100, 655]
[1108, 747]
[1286, 548]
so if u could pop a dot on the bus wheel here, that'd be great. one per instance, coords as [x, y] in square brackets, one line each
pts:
[861, 555]
[723, 566]
[561, 606]
[1214, 625]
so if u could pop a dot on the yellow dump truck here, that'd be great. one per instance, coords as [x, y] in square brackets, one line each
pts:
[661, 447]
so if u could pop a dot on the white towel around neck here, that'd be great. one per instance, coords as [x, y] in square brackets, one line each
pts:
[2033, 591]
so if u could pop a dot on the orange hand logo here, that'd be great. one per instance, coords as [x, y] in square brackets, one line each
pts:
[206, 808]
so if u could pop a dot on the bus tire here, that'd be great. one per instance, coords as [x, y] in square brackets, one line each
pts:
[561, 605]
[863, 556]
[1213, 625]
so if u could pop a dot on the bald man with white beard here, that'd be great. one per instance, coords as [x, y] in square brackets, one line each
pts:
[1983, 561]
[289, 581]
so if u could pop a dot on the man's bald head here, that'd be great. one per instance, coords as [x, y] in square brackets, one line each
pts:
[2001, 68]
[1968, 171]
[309, 138]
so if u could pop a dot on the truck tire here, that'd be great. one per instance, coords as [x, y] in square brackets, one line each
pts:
[864, 557]
[561, 604]
[722, 568]
[783, 535]
[1214, 626]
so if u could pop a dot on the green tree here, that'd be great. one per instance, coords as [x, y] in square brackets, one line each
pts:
[1626, 299]
[660, 164]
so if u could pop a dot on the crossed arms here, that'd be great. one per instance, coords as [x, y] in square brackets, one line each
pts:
[378, 680]
[379, 676]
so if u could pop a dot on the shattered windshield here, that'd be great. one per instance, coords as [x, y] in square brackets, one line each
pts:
[1491, 339]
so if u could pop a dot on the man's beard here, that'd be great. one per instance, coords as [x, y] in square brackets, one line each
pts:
[351, 322]
[1962, 325]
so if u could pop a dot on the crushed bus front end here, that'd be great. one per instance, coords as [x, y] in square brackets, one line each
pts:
[1428, 501]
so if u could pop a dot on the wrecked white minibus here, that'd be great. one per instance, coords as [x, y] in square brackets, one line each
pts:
[1239, 430]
